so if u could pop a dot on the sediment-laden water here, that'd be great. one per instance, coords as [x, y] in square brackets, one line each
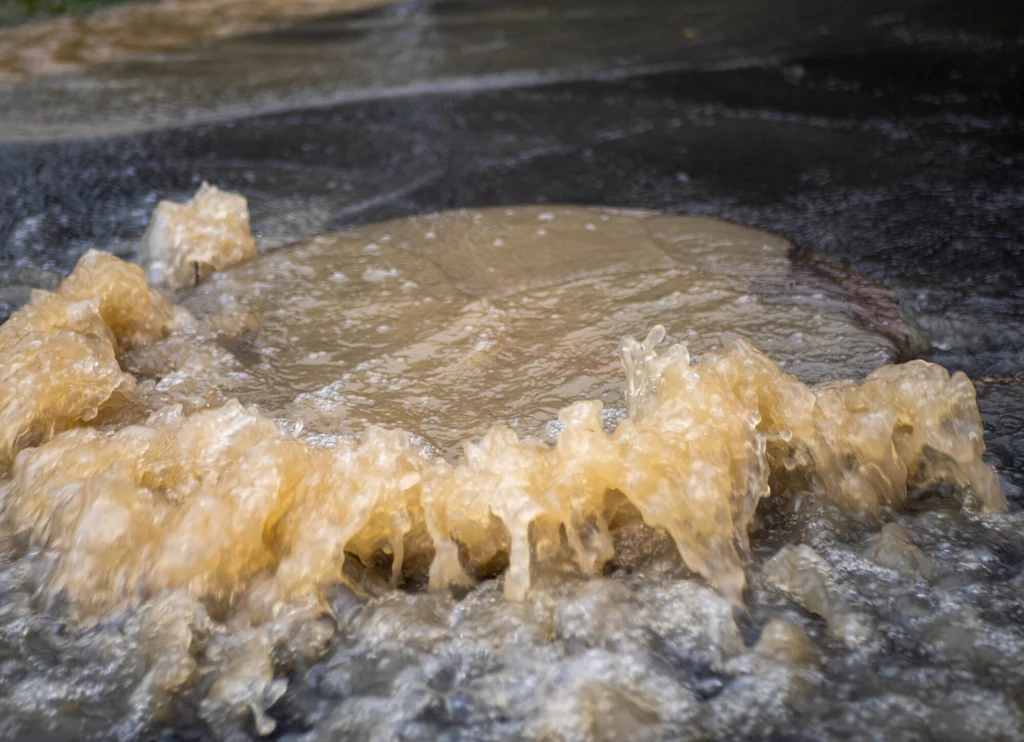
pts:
[394, 483]
[652, 543]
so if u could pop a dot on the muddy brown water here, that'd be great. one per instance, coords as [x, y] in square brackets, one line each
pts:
[883, 137]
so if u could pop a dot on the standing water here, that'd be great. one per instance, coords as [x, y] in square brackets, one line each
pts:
[414, 479]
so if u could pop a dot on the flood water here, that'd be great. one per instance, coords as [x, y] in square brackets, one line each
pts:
[448, 503]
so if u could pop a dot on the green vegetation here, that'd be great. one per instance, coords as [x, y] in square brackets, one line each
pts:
[12, 11]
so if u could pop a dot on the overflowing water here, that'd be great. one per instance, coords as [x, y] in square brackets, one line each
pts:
[128, 31]
[413, 479]
[689, 560]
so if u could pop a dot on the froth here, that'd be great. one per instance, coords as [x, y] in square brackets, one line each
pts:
[221, 504]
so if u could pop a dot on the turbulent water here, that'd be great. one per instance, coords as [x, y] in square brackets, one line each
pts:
[64, 45]
[445, 324]
[440, 509]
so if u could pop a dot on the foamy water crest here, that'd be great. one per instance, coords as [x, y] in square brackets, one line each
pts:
[195, 518]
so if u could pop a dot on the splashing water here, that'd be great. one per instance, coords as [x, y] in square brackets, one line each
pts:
[220, 501]
[183, 510]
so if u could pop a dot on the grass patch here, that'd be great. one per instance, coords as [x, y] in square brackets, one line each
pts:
[15, 11]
